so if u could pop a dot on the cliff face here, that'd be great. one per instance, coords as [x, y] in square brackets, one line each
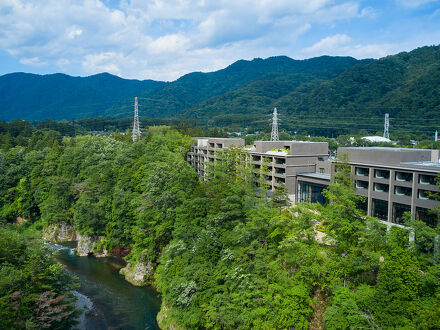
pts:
[88, 245]
[139, 273]
[64, 232]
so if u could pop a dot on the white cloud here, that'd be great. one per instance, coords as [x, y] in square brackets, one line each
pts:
[342, 45]
[161, 39]
[33, 61]
[329, 44]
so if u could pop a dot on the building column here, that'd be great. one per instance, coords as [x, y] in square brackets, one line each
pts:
[370, 189]
[414, 194]
[390, 196]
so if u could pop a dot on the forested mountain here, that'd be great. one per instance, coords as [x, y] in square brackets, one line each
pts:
[321, 96]
[59, 96]
[404, 85]
[196, 87]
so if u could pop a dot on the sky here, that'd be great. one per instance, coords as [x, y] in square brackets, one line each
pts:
[165, 39]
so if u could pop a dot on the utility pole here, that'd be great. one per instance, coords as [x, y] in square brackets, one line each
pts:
[386, 133]
[274, 134]
[136, 128]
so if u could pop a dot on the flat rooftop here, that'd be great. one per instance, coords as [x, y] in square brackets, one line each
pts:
[320, 176]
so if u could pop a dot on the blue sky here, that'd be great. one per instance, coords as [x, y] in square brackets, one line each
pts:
[164, 39]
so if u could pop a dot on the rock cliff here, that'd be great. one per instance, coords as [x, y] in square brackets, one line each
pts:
[139, 273]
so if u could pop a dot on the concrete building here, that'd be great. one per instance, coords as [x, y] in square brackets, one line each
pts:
[395, 180]
[284, 161]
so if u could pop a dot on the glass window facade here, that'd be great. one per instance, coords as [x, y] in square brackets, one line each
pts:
[380, 187]
[402, 191]
[362, 171]
[426, 179]
[381, 174]
[404, 177]
[361, 184]
[310, 192]
[398, 211]
[427, 216]
[425, 195]
[380, 209]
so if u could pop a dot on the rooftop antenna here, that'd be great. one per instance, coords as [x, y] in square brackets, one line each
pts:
[386, 133]
[274, 134]
[136, 128]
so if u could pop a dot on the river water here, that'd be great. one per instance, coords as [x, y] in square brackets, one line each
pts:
[107, 300]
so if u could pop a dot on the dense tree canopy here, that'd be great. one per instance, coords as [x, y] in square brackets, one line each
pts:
[226, 254]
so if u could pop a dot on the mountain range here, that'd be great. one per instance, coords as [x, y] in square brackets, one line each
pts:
[328, 93]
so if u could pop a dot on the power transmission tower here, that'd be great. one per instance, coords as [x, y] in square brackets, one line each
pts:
[386, 133]
[274, 134]
[136, 128]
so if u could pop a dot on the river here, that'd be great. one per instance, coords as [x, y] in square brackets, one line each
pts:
[107, 300]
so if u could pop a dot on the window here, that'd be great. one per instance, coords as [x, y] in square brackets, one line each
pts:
[402, 191]
[211, 145]
[280, 170]
[362, 171]
[427, 216]
[426, 179]
[361, 184]
[321, 159]
[404, 177]
[321, 170]
[280, 180]
[381, 174]
[380, 209]
[280, 161]
[380, 187]
[425, 195]
[287, 148]
[310, 192]
[398, 211]
[256, 158]
[362, 204]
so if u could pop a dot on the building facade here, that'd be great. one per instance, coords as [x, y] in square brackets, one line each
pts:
[394, 181]
[283, 162]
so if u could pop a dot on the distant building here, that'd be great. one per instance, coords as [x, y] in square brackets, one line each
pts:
[287, 163]
[376, 139]
[395, 180]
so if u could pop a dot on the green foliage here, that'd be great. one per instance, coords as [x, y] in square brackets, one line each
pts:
[227, 252]
[34, 288]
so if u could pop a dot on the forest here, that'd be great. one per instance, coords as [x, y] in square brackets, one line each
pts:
[225, 254]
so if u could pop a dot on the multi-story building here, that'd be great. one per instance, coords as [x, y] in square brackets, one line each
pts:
[283, 162]
[395, 180]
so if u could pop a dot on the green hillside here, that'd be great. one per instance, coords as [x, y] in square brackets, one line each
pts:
[323, 95]
[403, 85]
[173, 99]
[59, 96]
